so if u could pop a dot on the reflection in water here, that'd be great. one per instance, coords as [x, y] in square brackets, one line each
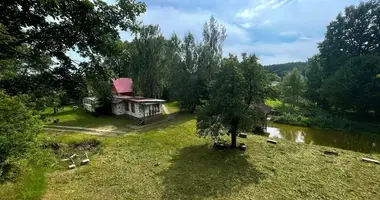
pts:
[361, 142]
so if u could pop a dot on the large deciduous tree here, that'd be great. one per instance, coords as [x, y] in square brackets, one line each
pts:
[34, 29]
[352, 34]
[354, 86]
[314, 78]
[293, 87]
[149, 67]
[237, 87]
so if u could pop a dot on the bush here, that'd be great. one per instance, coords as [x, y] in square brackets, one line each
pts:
[18, 131]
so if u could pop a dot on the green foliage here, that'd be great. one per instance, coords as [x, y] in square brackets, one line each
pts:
[102, 90]
[282, 69]
[18, 131]
[149, 67]
[34, 29]
[354, 86]
[353, 33]
[237, 87]
[293, 87]
[314, 78]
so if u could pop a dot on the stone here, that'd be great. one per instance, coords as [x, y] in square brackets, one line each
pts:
[271, 141]
[242, 147]
[243, 135]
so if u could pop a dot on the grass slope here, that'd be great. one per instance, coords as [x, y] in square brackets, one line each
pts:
[172, 162]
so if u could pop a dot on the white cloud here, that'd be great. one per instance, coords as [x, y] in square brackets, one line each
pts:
[174, 20]
[247, 25]
[260, 6]
[305, 38]
[288, 33]
[298, 50]
[266, 23]
[279, 4]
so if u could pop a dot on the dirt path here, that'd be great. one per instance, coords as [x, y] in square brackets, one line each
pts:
[105, 132]
[91, 131]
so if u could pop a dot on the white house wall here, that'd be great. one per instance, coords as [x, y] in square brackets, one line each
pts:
[118, 108]
[121, 109]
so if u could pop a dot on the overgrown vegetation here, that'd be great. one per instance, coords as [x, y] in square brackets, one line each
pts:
[46, 158]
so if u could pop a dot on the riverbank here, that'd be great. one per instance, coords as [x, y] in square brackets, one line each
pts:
[172, 162]
[317, 118]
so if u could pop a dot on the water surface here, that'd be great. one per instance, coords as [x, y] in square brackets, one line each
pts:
[361, 142]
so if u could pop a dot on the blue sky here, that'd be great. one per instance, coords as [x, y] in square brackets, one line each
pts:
[277, 31]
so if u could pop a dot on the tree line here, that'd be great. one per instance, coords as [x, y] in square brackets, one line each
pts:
[341, 78]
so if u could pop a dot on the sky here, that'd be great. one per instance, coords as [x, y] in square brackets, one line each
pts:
[277, 31]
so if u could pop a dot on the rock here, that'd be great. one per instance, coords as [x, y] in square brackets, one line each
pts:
[242, 147]
[221, 145]
[56, 121]
[331, 153]
[243, 135]
[371, 160]
[272, 141]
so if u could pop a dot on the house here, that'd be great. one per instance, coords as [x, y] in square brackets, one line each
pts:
[264, 111]
[124, 102]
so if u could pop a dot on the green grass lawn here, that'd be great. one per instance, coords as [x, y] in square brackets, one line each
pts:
[169, 161]
[173, 107]
[172, 162]
[79, 117]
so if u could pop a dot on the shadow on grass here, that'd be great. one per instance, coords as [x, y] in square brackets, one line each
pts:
[201, 172]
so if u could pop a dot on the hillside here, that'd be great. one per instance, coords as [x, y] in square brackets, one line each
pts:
[282, 69]
[171, 162]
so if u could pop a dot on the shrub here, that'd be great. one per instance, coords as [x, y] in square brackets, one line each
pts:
[18, 131]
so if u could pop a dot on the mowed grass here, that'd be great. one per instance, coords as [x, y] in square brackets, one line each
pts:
[173, 107]
[79, 117]
[172, 162]
[30, 187]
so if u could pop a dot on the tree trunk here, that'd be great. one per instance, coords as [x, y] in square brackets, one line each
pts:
[233, 140]
[234, 129]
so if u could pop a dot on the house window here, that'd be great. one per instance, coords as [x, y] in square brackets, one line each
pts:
[133, 107]
[127, 106]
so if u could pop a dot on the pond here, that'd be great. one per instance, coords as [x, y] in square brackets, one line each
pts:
[361, 142]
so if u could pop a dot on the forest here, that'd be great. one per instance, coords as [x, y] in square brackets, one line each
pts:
[338, 88]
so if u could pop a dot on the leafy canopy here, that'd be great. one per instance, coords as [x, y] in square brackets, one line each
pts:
[237, 88]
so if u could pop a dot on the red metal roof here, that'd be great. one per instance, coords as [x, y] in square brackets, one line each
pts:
[123, 85]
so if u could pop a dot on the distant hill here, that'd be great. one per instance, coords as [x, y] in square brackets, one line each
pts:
[282, 69]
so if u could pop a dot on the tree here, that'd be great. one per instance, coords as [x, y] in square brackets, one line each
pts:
[354, 86]
[149, 67]
[174, 64]
[293, 87]
[18, 129]
[236, 88]
[352, 34]
[34, 29]
[210, 52]
[282, 69]
[314, 79]
[187, 75]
